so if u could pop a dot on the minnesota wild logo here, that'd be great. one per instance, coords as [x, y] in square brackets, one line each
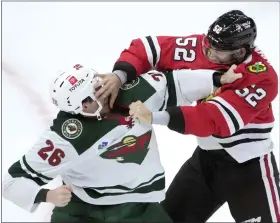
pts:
[131, 149]
[72, 128]
[130, 85]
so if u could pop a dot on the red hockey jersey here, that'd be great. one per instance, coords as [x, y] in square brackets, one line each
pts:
[237, 117]
[164, 53]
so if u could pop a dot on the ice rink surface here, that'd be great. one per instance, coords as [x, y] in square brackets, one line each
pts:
[40, 38]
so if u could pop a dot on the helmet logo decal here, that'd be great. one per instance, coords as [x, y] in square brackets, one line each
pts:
[72, 128]
[54, 102]
[78, 66]
[73, 80]
[76, 85]
[217, 29]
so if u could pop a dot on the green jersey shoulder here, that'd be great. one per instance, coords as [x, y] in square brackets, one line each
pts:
[82, 132]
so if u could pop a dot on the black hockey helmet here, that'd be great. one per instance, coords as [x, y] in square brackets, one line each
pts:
[233, 30]
[230, 39]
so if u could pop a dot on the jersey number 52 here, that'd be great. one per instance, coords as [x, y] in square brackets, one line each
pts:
[252, 98]
[181, 52]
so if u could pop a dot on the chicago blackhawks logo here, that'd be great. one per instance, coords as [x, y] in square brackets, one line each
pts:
[72, 128]
[131, 149]
[130, 85]
[257, 68]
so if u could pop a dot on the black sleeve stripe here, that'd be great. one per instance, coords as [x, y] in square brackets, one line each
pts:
[240, 141]
[232, 117]
[247, 131]
[177, 121]
[33, 171]
[128, 68]
[16, 171]
[153, 49]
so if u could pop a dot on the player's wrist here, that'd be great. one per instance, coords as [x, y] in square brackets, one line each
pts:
[217, 79]
[41, 196]
[160, 118]
[121, 75]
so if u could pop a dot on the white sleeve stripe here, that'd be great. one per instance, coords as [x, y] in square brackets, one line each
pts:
[156, 43]
[33, 175]
[226, 116]
[259, 126]
[232, 109]
[148, 50]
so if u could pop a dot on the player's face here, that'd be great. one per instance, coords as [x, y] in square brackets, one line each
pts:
[221, 56]
[91, 106]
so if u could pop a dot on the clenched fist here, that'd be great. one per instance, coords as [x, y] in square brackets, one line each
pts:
[137, 110]
[60, 196]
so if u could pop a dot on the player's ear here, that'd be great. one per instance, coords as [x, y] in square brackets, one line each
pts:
[243, 52]
[86, 101]
[84, 106]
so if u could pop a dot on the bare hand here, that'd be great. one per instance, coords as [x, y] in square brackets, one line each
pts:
[60, 196]
[230, 76]
[111, 85]
[137, 110]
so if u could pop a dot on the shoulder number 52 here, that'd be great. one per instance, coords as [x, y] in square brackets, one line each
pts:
[252, 98]
[181, 53]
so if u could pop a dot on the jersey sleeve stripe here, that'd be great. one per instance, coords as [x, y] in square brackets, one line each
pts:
[232, 109]
[228, 116]
[28, 168]
[120, 187]
[155, 185]
[240, 141]
[157, 47]
[16, 171]
[148, 51]
[153, 49]
[247, 131]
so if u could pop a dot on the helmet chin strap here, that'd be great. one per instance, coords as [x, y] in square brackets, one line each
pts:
[97, 113]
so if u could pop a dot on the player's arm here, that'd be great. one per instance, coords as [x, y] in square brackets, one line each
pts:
[192, 85]
[48, 158]
[153, 52]
[225, 114]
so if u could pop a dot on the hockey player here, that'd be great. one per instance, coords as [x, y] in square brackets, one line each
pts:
[110, 163]
[234, 161]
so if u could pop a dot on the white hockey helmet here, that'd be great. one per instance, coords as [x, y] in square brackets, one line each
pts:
[72, 87]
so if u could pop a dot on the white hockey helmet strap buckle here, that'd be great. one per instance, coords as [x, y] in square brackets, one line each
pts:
[74, 86]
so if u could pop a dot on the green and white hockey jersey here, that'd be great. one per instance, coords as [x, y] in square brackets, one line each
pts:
[112, 161]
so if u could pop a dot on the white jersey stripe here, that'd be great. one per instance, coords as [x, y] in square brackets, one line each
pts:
[31, 174]
[157, 46]
[148, 50]
[232, 109]
[274, 190]
[271, 193]
[226, 116]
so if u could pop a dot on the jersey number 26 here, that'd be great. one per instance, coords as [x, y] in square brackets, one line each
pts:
[54, 158]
